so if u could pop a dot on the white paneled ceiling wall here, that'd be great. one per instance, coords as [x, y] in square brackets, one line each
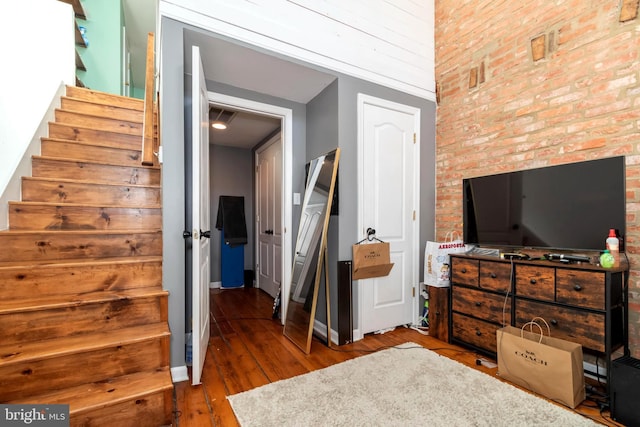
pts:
[389, 42]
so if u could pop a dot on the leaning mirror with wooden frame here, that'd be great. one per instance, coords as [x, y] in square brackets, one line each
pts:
[310, 250]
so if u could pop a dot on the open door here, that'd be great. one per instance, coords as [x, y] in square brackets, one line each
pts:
[201, 217]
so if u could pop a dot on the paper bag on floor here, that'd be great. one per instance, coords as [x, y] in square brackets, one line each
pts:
[549, 366]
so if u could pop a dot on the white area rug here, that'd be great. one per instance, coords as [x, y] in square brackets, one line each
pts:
[412, 386]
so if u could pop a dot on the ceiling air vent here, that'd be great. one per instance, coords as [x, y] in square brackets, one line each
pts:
[219, 115]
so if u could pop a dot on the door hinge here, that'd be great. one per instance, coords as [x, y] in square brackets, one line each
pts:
[414, 138]
[413, 292]
[414, 215]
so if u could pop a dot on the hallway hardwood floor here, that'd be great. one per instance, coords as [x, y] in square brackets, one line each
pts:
[247, 350]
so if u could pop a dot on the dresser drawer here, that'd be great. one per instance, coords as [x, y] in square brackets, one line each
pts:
[464, 271]
[495, 276]
[484, 305]
[475, 332]
[579, 326]
[580, 288]
[535, 282]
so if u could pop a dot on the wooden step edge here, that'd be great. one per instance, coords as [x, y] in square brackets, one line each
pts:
[137, 139]
[77, 181]
[91, 162]
[83, 343]
[101, 394]
[77, 300]
[81, 205]
[93, 93]
[118, 147]
[78, 263]
[137, 108]
[72, 233]
[99, 117]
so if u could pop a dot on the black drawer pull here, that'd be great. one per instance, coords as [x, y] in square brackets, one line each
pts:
[464, 270]
[493, 275]
[554, 322]
[533, 281]
[437, 313]
[478, 333]
[577, 287]
[478, 303]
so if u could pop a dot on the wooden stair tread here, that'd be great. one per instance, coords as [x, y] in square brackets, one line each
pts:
[133, 106]
[89, 397]
[99, 109]
[88, 150]
[82, 142]
[76, 232]
[137, 123]
[73, 300]
[73, 244]
[16, 265]
[102, 123]
[46, 349]
[91, 162]
[79, 205]
[76, 132]
[66, 180]
[98, 96]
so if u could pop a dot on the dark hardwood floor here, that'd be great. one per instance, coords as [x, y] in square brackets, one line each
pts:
[247, 350]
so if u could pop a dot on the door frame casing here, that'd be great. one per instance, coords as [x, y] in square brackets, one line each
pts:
[363, 99]
[286, 117]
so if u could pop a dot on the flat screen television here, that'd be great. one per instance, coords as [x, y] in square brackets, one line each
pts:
[569, 207]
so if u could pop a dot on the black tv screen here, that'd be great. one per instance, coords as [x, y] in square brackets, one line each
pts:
[569, 206]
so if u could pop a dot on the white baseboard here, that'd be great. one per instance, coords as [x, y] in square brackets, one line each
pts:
[321, 330]
[179, 374]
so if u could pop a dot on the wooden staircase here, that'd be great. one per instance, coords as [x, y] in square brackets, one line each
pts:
[83, 316]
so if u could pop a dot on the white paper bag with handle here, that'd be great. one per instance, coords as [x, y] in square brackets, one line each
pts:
[436, 259]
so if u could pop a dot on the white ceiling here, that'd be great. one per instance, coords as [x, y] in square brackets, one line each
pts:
[244, 131]
[231, 64]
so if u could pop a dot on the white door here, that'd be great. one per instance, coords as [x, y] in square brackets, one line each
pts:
[269, 218]
[389, 175]
[201, 217]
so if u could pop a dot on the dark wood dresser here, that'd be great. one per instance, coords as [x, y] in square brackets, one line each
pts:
[582, 303]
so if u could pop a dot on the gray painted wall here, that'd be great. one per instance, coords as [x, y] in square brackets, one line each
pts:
[173, 182]
[322, 137]
[343, 232]
[231, 174]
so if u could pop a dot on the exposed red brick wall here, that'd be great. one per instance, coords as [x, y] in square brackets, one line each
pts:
[581, 101]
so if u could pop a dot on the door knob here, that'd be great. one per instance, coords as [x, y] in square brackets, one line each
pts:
[206, 234]
[186, 234]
